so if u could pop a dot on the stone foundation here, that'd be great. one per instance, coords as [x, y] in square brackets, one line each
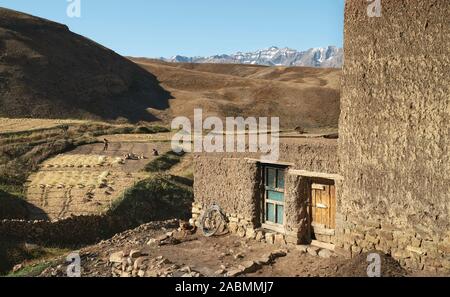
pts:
[244, 228]
[413, 249]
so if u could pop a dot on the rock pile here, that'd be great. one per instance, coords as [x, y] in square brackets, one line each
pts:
[135, 263]
[315, 251]
[253, 266]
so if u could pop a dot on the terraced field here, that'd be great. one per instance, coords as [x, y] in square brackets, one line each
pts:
[87, 180]
[20, 125]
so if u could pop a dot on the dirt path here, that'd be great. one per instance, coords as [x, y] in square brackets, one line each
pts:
[87, 180]
[158, 249]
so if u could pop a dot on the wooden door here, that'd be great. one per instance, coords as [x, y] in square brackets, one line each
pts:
[323, 210]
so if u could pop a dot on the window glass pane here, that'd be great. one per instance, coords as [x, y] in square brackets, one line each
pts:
[277, 196]
[270, 212]
[271, 173]
[280, 214]
[280, 181]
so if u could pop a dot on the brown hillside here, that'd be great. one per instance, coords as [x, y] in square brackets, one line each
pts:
[46, 71]
[300, 96]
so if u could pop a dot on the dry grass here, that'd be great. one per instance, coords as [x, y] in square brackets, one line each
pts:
[21, 125]
[307, 97]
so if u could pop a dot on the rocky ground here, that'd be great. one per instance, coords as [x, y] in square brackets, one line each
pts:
[163, 249]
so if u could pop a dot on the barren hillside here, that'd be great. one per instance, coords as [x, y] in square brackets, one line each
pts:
[300, 96]
[46, 71]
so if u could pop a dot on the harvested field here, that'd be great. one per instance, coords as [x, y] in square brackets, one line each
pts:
[87, 180]
[21, 125]
[136, 138]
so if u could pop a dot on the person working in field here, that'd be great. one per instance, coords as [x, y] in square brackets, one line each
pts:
[105, 144]
[155, 152]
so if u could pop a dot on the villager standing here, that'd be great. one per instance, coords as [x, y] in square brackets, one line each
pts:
[105, 144]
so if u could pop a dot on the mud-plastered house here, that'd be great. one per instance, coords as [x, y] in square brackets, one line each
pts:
[384, 185]
[286, 197]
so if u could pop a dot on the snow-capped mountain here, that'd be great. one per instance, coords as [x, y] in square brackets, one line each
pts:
[315, 57]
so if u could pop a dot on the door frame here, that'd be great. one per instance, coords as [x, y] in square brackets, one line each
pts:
[321, 181]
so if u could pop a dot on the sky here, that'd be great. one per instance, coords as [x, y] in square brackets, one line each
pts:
[164, 28]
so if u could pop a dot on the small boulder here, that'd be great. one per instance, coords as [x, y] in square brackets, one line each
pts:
[250, 266]
[264, 260]
[259, 236]
[234, 272]
[116, 257]
[312, 250]
[270, 238]
[162, 237]
[220, 272]
[241, 232]
[186, 269]
[134, 254]
[279, 239]
[324, 253]
[239, 256]
[151, 241]
[17, 268]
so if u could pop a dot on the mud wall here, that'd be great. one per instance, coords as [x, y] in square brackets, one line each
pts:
[231, 183]
[318, 155]
[296, 209]
[394, 132]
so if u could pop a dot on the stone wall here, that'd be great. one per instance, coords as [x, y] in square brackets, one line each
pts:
[71, 231]
[394, 132]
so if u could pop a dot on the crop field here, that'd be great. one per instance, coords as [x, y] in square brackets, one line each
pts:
[87, 180]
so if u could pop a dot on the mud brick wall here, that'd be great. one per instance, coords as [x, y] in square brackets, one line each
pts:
[231, 183]
[318, 155]
[394, 132]
[296, 209]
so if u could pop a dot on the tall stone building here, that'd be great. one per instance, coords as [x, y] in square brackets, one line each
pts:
[394, 132]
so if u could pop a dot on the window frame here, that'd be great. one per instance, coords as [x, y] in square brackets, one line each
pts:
[266, 223]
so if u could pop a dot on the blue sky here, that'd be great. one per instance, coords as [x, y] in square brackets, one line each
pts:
[155, 28]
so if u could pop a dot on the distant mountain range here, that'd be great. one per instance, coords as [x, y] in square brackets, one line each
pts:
[325, 57]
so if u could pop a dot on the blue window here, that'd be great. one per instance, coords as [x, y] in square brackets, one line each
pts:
[274, 195]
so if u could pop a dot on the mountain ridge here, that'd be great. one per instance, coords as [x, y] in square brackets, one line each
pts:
[322, 57]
